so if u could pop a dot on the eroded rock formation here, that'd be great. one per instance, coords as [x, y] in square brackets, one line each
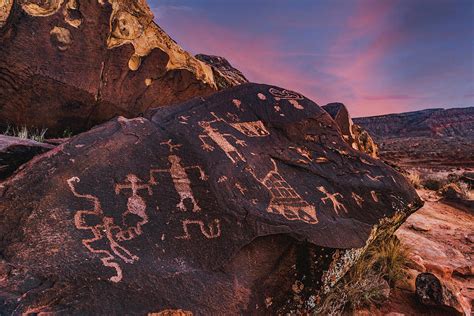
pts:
[88, 61]
[353, 134]
[229, 204]
[225, 75]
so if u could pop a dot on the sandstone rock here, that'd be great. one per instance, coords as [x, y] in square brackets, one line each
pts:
[221, 205]
[15, 151]
[225, 75]
[430, 291]
[353, 134]
[88, 61]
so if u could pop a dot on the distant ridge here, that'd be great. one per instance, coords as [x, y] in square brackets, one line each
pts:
[425, 123]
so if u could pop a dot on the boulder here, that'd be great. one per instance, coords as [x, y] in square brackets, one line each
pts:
[16, 151]
[88, 61]
[225, 75]
[245, 202]
[430, 291]
[353, 134]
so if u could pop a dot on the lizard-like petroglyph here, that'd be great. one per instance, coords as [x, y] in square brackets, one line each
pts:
[181, 181]
[284, 200]
[210, 231]
[337, 206]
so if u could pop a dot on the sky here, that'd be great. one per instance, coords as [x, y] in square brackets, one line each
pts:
[375, 56]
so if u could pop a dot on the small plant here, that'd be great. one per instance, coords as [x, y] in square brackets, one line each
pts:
[456, 190]
[414, 178]
[67, 133]
[24, 133]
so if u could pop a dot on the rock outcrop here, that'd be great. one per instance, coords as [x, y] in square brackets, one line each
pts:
[353, 134]
[225, 75]
[70, 64]
[15, 151]
[229, 204]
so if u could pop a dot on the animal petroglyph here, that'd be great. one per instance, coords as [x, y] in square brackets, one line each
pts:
[337, 206]
[220, 139]
[135, 206]
[210, 231]
[303, 152]
[284, 200]
[181, 181]
[285, 94]
[103, 230]
[251, 129]
[359, 200]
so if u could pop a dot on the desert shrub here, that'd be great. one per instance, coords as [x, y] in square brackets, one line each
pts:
[368, 281]
[455, 190]
[433, 184]
[25, 133]
[414, 178]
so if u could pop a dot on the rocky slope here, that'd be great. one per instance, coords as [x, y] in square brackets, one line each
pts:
[245, 202]
[225, 75]
[70, 64]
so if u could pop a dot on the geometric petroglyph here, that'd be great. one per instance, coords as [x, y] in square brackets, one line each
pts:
[337, 206]
[103, 229]
[284, 199]
[261, 96]
[210, 231]
[374, 196]
[251, 129]
[285, 94]
[220, 139]
[180, 178]
[375, 179]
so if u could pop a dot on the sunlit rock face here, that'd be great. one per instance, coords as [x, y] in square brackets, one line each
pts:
[353, 134]
[225, 74]
[69, 64]
[245, 202]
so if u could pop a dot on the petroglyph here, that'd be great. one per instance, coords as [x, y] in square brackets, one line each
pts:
[251, 129]
[305, 153]
[240, 188]
[374, 196]
[181, 181]
[284, 200]
[261, 96]
[135, 206]
[337, 206]
[183, 119]
[103, 230]
[285, 94]
[237, 103]
[210, 231]
[359, 200]
[375, 179]
[220, 139]
[296, 104]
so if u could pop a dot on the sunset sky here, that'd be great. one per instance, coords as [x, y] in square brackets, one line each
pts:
[375, 56]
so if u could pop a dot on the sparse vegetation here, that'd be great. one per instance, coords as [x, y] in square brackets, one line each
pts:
[369, 280]
[414, 178]
[25, 133]
[455, 190]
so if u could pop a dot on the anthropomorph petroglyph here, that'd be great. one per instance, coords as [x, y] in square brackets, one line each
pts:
[104, 230]
[359, 200]
[338, 206]
[181, 181]
[210, 231]
[284, 200]
[220, 139]
[135, 206]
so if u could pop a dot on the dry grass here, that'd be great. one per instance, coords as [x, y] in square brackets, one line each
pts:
[415, 179]
[25, 133]
[367, 283]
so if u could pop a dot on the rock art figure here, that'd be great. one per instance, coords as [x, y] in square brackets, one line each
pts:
[359, 200]
[333, 198]
[135, 206]
[103, 230]
[180, 179]
[251, 129]
[210, 231]
[220, 139]
[284, 199]
[285, 94]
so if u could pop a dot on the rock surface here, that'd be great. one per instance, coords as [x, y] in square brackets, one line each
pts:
[15, 151]
[353, 134]
[229, 204]
[225, 75]
[443, 248]
[88, 61]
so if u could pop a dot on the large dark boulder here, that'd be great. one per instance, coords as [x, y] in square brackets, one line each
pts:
[16, 151]
[245, 202]
[70, 64]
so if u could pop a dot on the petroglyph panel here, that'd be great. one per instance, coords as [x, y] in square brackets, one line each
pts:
[284, 200]
[285, 94]
[210, 231]
[251, 129]
[337, 206]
